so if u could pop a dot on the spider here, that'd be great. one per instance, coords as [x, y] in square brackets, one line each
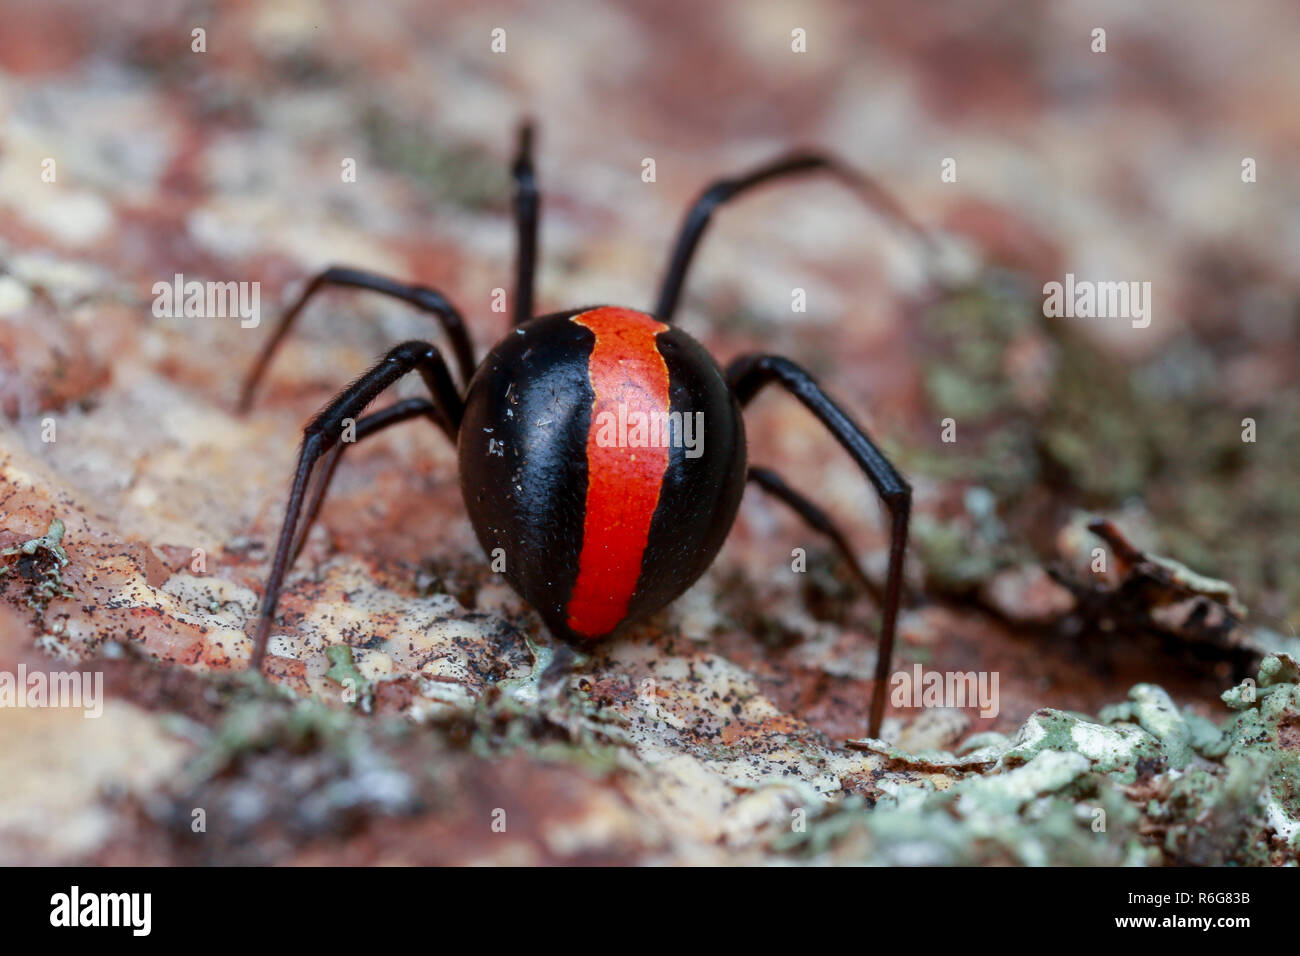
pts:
[574, 435]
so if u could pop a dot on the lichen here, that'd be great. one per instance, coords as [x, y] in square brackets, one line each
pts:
[1144, 783]
[40, 562]
[1037, 406]
[1266, 731]
[343, 670]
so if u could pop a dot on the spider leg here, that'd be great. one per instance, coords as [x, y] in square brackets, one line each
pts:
[817, 519]
[723, 190]
[324, 433]
[749, 373]
[526, 206]
[392, 415]
[429, 300]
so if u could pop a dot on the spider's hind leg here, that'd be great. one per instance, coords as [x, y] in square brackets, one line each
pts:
[746, 376]
[818, 520]
[722, 191]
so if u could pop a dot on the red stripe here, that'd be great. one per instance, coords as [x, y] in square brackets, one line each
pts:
[623, 482]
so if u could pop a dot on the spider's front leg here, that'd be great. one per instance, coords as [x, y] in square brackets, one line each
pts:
[394, 414]
[322, 437]
[422, 297]
[749, 373]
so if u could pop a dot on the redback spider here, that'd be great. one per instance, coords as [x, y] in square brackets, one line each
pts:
[599, 526]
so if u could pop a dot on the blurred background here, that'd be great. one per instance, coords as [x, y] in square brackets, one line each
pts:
[1124, 165]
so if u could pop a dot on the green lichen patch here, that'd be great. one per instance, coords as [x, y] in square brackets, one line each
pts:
[1266, 733]
[1143, 783]
[38, 563]
[1120, 750]
[1211, 816]
[343, 670]
[1042, 413]
[1154, 711]
[1051, 809]
[272, 769]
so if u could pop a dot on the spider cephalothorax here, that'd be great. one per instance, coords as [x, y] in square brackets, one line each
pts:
[602, 450]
